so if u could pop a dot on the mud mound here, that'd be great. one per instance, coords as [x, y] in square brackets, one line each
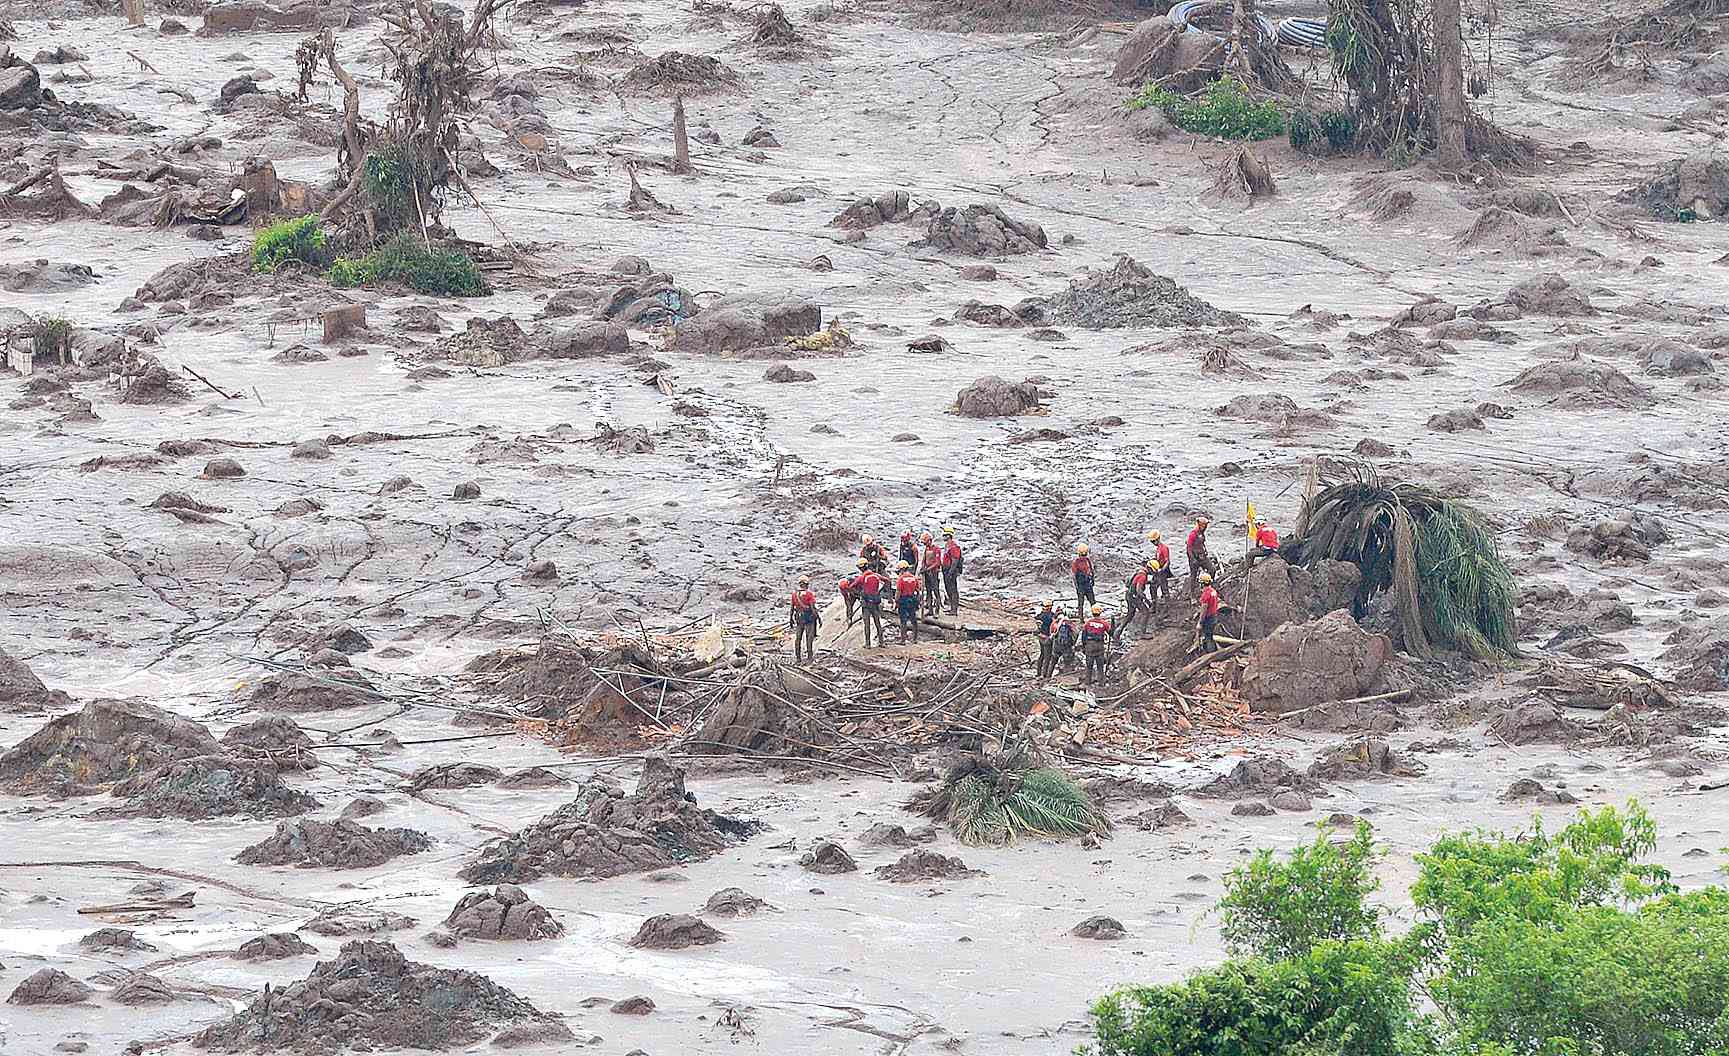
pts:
[829, 859]
[920, 865]
[274, 947]
[993, 397]
[1363, 758]
[21, 691]
[506, 912]
[981, 231]
[734, 902]
[748, 323]
[327, 689]
[115, 939]
[454, 775]
[338, 845]
[273, 740]
[1257, 777]
[604, 833]
[1533, 721]
[1499, 231]
[1581, 382]
[1103, 929]
[50, 986]
[1694, 188]
[674, 931]
[210, 787]
[676, 73]
[760, 716]
[371, 997]
[104, 742]
[1128, 294]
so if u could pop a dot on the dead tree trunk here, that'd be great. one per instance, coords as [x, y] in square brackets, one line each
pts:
[680, 139]
[1450, 112]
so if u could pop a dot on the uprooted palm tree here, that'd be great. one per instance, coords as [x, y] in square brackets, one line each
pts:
[1435, 555]
[1000, 797]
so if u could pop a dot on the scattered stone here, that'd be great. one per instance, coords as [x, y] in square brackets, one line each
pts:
[454, 775]
[115, 939]
[370, 997]
[50, 986]
[992, 397]
[506, 912]
[104, 742]
[274, 947]
[1103, 929]
[141, 988]
[828, 858]
[915, 866]
[784, 373]
[333, 845]
[674, 931]
[1363, 757]
[605, 833]
[633, 1006]
[1129, 294]
[734, 902]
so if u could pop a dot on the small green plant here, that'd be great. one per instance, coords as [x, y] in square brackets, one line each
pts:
[1326, 132]
[1225, 110]
[301, 238]
[443, 272]
[1282, 909]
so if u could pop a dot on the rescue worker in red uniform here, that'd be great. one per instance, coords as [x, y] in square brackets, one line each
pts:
[874, 557]
[909, 550]
[931, 570]
[907, 602]
[870, 589]
[953, 563]
[804, 620]
[1095, 644]
[1209, 615]
[1082, 569]
[1161, 583]
[1200, 558]
[849, 591]
[1046, 624]
[1266, 541]
[1140, 592]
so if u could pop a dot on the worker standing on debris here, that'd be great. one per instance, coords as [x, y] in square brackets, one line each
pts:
[1082, 567]
[1265, 539]
[1140, 590]
[1200, 558]
[1209, 616]
[870, 591]
[953, 563]
[874, 557]
[1161, 583]
[849, 590]
[1095, 638]
[1046, 622]
[1065, 642]
[931, 568]
[907, 601]
[909, 550]
[804, 620]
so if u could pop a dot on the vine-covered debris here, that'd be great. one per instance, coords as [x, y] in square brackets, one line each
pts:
[605, 833]
[104, 742]
[1129, 294]
[333, 845]
[371, 997]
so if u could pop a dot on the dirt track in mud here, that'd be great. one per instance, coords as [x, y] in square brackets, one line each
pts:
[104, 596]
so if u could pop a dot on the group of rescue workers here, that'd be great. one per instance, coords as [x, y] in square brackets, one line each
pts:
[927, 579]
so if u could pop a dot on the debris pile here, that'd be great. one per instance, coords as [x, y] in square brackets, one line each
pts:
[104, 742]
[1129, 294]
[210, 786]
[333, 845]
[505, 912]
[606, 833]
[371, 997]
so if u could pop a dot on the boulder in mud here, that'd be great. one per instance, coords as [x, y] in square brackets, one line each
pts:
[210, 786]
[746, 323]
[919, 865]
[104, 742]
[1303, 664]
[734, 902]
[274, 947]
[828, 858]
[505, 912]
[1362, 758]
[981, 230]
[605, 833]
[370, 997]
[50, 986]
[1102, 929]
[674, 931]
[21, 691]
[993, 397]
[333, 845]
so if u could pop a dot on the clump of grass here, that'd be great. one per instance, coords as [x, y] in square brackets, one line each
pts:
[998, 799]
[442, 272]
[1225, 110]
[301, 238]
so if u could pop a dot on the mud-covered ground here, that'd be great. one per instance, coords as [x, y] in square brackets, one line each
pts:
[736, 484]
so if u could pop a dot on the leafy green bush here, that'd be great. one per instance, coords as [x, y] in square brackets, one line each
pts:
[1282, 909]
[1224, 110]
[301, 238]
[1337, 999]
[436, 271]
[1327, 132]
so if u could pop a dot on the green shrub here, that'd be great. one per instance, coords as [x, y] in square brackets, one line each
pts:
[1338, 999]
[299, 239]
[403, 259]
[1224, 110]
[1327, 132]
[1282, 909]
